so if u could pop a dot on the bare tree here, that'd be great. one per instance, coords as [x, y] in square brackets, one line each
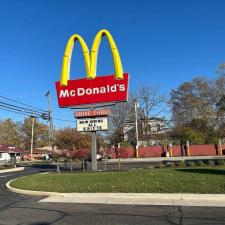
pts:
[152, 104]
[120, 113]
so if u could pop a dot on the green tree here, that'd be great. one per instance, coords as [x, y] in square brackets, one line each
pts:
[9, 133]
[199, 105]
[40, 136]
[70, 139]
[183, 133]
[193, 100]
[72, 144]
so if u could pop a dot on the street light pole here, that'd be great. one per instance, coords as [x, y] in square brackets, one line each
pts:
[136, 126]
[32, 138]
[51, 131]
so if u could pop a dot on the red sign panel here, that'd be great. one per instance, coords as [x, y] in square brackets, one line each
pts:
[102, 89]
[92, 113]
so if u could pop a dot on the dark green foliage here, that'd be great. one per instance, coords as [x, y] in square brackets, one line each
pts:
[40, 137]
[200, 163]
[191, 163]
[198, 109]
[9, 133]
[210, 162]
[220, 162]
[180, 164]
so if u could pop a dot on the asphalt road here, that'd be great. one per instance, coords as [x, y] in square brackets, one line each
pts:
[18, 209]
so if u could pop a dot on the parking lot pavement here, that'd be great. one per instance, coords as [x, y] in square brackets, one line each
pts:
[17, 209]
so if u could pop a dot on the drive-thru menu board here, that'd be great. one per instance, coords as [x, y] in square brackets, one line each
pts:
[92, 124]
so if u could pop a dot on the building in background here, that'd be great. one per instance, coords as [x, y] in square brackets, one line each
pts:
[152, 131]
[8, 151]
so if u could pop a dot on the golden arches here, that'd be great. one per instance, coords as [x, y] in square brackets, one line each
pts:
[115, 54]
[90, 59]
[65, 73]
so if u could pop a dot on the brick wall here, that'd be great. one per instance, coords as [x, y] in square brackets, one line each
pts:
[159, 151]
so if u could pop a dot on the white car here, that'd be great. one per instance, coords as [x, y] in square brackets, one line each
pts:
[99, 157]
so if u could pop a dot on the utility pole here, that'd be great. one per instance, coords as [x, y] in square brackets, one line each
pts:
[51, 131]
[136, 126]
[32, 138]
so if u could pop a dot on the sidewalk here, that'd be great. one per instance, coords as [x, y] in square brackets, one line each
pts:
[12, 170]
[213, 200]
[161, 159]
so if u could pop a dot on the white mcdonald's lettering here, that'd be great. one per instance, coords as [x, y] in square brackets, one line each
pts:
[101, 90]
[92, 91]
[72, 93]
[64, 93]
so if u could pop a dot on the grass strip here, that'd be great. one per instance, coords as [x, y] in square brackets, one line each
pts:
[171, 180]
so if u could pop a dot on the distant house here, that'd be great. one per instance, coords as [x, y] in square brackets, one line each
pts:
[42, 153]
[149, 130]
[8, 151]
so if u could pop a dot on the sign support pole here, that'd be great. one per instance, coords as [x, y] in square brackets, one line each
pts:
[93, 150]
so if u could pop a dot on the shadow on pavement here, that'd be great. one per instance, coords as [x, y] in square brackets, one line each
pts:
[39, 223]
[43, 166]
[203, 171]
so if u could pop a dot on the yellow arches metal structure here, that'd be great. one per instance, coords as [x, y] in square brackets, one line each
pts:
[90, 58]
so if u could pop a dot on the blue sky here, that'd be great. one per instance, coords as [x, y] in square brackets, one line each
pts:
[161, 42]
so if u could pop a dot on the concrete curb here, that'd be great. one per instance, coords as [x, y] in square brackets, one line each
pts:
[177, 199]
[12, 170]
[29, 192]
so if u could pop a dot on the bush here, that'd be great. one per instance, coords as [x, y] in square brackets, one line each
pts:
[81, 154]
[170, 164]
[219, 162]
[122, 153]
[210, 162]
[190, 163]
[180, 164]
[200, 163]
[125, 144]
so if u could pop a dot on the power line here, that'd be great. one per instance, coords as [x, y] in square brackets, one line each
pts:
[18, 108]
[72, 121]
[9, 99]
[13, 111]
[21, 110]
[27, 111]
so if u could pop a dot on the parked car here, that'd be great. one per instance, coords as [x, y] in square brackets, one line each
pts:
[99, 157]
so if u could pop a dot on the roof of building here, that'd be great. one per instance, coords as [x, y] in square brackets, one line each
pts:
[8, 148]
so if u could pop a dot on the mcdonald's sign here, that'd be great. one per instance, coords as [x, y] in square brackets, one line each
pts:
[92, 89]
